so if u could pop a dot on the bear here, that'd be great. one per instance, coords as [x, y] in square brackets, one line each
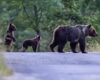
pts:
[10, 38]
[11, 27]
[74, 34]
[34, 42]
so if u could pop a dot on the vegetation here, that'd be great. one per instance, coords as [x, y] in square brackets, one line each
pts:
[4, 70]
[33, 16]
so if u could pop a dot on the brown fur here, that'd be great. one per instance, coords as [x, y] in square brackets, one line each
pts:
[34, 42]
[9, 38]
[73, 34]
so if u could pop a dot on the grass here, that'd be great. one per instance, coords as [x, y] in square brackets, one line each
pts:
[4, 70]
[94, 48]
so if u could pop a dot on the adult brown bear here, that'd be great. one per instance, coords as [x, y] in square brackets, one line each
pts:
[73, 34]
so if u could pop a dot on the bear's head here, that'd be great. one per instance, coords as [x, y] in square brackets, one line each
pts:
[11, 27]
[91, 31]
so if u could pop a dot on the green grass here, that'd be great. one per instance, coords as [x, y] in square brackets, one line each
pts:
[4, 70]
[95, 48]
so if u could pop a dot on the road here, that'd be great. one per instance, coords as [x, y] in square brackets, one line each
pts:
[53, 66]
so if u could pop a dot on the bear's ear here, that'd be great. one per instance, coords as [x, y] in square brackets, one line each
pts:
[89, 26]
[10, 24]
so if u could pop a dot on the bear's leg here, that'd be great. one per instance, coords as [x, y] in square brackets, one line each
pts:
[8, 48]
[82, 46]
[61, 47]
[24, 48]
[34, 48]
[73, 46]
[52, 46]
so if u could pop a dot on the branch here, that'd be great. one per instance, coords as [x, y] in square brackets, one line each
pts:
[28, 16]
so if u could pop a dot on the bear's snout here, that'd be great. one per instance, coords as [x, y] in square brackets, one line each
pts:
[96, 34]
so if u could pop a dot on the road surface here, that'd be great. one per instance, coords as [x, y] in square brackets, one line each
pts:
[53, 66]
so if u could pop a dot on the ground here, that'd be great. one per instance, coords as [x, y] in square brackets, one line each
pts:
[53, 66]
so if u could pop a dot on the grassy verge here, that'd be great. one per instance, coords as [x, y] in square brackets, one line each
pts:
[93, 47]
[4, 70]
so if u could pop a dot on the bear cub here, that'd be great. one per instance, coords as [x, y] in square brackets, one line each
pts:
[34, 42]
[10, 37]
